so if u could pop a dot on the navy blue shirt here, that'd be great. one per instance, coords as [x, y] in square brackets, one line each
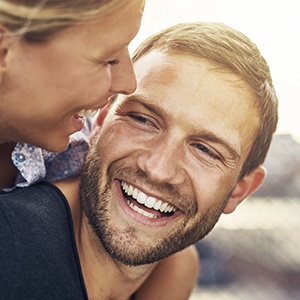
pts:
[38, 253]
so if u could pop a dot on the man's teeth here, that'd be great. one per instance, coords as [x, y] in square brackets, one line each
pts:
[141, 211]
[147, 201]
[87, 113]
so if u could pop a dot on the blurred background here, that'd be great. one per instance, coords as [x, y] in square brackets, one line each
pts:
[253, 253]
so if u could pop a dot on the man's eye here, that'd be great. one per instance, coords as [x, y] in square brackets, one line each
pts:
[206, 150]
[146, 121]
[139, 118]
[113, 62]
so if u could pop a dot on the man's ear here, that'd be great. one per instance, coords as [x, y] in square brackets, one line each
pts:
[5, 40]
[102, 114]
[246, 186]
[99, 121]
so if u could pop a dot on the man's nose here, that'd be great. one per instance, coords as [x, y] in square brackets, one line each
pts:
[123, 80]
[163, 163]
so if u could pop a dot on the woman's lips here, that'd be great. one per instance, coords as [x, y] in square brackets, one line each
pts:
[87, 113]
[79, 118]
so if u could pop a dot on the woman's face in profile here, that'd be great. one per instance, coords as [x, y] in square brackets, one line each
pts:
[48, 87]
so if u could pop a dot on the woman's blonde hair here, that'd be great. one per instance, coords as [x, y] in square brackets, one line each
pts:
[38, 20]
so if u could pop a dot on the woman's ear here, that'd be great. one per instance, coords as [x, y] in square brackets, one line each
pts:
[245, 187]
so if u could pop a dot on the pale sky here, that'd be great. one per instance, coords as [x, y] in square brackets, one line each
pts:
[272, 24]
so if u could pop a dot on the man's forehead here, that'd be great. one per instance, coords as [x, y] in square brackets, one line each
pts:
[155, 65]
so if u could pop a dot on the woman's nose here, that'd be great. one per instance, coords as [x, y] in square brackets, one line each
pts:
[123, 80]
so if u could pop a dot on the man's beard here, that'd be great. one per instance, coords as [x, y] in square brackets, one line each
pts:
[125, 246]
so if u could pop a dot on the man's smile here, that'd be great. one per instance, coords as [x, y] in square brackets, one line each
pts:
[145, 205]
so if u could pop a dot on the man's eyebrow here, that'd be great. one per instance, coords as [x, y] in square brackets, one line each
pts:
[140, 100]
[212, 137]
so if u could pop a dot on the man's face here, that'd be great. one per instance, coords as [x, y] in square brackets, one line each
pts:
[167, 158]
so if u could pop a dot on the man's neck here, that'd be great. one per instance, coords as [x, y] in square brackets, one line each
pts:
[104, 277]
